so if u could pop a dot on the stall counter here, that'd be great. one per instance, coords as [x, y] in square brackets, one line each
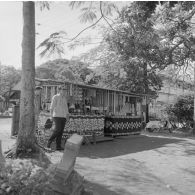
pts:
[85, 125]
[80, 124]
[122, 125]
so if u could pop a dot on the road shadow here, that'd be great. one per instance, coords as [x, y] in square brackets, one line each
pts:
[124, 145]
[99, 189]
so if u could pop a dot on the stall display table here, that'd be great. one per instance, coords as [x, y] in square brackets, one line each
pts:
[122, 125]
[84, 125]
[81, 124]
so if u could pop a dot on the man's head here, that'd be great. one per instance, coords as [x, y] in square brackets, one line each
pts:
[62, 89]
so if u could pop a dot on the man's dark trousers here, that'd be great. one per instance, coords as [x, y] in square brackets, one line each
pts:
[59, 124]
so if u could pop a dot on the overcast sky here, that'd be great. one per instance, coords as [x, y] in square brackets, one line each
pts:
[59, 17]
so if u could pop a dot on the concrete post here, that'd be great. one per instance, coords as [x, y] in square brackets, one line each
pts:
[65, 169]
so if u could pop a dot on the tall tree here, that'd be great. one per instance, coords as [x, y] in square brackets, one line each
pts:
[137, 44]
[175, 24]
[26, 136]
[63, 69]
[9, 77]
[107, 68]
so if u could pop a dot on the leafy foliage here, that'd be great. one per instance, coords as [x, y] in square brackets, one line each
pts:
[175, 27]
[88, 14]
[137, 45]
[53, 44]
[23, 177]
[62, 69]
[107, 71]
[9, 76]
[127, 48]
[92, 12]
[182, 111]
[43, 5]
[147, 37]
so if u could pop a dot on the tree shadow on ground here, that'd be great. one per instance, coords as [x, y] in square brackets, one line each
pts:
[124, 145]
[99, 189]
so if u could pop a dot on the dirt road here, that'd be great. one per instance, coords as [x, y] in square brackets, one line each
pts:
[135, 165]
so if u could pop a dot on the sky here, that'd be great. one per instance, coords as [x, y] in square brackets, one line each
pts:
[60, 17]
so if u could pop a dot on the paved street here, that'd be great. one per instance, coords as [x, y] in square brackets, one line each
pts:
[136, 165]
[140, 165]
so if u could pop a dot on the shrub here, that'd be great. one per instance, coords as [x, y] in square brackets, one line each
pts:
[23, 177]
[182, 111]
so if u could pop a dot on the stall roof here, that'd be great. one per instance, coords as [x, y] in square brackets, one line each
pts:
[17, 87]
[91, 86]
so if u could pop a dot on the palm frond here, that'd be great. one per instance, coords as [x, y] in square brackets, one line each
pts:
[43, 5]
[80, 42]
[52, 45]
[108, 8]
[88, 15]
[76, 4]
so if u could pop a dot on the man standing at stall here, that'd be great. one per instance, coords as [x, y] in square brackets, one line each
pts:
[60, 115]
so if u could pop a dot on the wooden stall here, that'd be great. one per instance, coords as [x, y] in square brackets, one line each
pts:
[95, 109]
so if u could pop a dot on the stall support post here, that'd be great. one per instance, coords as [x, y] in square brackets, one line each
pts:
[45, 92]
[37, 105]
[114, 98]
[144, 109]
[103, 101]
[135, 104]
[52, 91]
[94, 138]
[108, 101]
[15, 120]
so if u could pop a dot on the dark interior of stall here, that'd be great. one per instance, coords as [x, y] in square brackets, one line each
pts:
[90, 101]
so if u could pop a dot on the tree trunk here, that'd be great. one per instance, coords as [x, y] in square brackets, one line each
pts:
[26, 135]
[193, 132]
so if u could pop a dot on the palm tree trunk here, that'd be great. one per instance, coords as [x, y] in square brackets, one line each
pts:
[193, 131]
[26, 135]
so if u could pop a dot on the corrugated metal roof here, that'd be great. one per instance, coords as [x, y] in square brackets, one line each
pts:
[90, 86]
[17, 87]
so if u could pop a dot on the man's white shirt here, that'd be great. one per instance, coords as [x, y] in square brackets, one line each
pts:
[59, 106]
